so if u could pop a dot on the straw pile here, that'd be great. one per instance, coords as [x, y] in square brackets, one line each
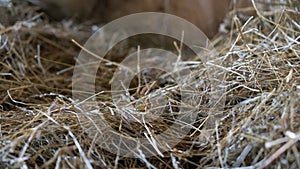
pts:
[259, 126]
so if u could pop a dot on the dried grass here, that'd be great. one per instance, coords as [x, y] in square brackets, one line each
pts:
[259, 127]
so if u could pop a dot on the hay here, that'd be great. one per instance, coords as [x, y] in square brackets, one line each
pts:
[259, 127]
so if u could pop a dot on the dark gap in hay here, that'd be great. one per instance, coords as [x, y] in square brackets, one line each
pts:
[130, 45]
[145, 41]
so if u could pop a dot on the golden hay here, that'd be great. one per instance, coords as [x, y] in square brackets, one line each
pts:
[259, 127]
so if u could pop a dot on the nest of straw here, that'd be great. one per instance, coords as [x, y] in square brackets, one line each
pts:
[258, 128]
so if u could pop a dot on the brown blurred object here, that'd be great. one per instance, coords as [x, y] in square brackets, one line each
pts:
[206, 14]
